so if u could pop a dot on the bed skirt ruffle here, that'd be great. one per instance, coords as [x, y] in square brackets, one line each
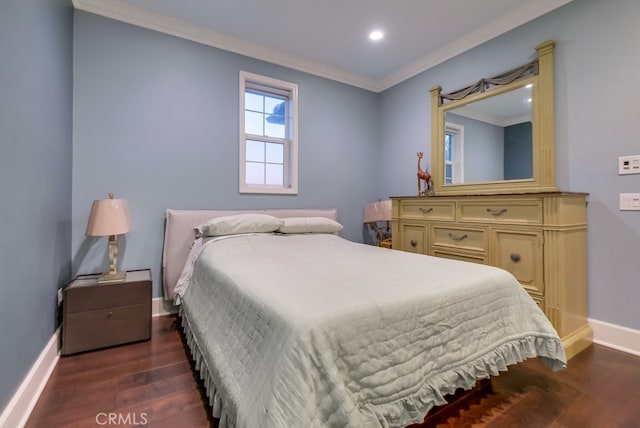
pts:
[407, 410]
[223, 412]
[413, 408]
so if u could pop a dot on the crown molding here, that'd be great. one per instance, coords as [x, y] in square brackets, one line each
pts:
[503, 24]
[121, 11]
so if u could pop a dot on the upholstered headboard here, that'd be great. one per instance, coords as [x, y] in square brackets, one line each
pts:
[179, 234]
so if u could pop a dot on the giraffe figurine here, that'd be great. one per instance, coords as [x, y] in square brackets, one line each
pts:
[423, 175]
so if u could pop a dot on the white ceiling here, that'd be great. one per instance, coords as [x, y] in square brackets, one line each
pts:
[329, 38]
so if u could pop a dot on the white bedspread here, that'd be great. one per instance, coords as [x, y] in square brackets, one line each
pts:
[316, 331]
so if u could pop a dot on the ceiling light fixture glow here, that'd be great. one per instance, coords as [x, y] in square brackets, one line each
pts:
[376, 35]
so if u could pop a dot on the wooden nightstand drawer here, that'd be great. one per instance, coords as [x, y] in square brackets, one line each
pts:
[106, 327]
[100, 315]
[106, 296]
[514, 211]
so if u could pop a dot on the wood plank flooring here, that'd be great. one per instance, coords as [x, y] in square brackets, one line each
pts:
[153, 384]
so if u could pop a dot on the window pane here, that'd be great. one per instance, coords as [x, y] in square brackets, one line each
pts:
[275, 153]
[448, 173]
[253, 123]
[253, 101]
[255, 173]
[447, 147]
[255, 151]
[275, 122]
[274, 105]
[276, 130]
[275, 174]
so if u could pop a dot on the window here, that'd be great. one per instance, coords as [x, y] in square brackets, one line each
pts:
[448, 164]
[268, 135]
[453, 153]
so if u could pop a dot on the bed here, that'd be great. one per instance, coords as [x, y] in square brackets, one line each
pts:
[312, 330]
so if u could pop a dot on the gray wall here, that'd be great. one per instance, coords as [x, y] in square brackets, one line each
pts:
[518, 152]
[596, 101]
[156, 122]
[35, 178]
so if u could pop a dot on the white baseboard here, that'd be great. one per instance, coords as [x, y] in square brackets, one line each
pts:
[160, 306]
[24, 400]
[615, 336]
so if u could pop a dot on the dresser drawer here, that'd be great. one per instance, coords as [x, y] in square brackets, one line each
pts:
[463, 238]
[472, 257]
[106, 327]
[427, 210]
[525, 211]
[520, 253]
[414, 238]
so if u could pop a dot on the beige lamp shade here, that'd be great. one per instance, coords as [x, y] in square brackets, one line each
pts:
[109, 217]
[378, 211]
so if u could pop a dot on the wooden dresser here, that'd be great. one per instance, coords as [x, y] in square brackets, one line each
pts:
[539, 237]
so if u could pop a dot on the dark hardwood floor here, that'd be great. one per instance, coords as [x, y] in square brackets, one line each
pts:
[153, 384]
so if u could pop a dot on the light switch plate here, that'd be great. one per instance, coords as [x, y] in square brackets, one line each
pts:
[629, 165]
[630, 201]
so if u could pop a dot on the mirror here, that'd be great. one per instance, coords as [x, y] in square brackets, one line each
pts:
[496, 136]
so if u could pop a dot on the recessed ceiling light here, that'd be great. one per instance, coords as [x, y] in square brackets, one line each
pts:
[376, 35]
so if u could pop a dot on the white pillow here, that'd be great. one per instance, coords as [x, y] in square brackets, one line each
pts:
[240, 223]
[309, 225]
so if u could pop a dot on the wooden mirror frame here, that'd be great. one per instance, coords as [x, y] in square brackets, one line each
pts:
[540, 73]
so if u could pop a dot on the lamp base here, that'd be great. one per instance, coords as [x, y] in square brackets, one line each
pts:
[112, 277]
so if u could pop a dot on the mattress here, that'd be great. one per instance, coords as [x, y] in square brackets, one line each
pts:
[313, 330]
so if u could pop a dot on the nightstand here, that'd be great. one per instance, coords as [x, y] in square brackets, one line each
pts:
[101, 315]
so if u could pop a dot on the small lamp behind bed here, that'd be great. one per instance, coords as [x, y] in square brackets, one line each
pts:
[110, 217]
[375, 213]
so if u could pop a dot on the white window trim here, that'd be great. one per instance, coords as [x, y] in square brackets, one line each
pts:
[291, 164]
[457, 151]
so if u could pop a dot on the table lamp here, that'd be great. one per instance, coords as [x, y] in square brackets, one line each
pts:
[110, 217]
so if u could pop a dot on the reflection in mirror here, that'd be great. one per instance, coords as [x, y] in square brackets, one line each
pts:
[494, 134]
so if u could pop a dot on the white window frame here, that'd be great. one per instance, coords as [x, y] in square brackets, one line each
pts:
[457, 151]
[280, 88]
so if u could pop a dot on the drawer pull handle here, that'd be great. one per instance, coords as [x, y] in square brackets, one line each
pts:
[413, 243]
[496, 212]
[110, 314]
[425, 210]
[458, 238]
[515, 257]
